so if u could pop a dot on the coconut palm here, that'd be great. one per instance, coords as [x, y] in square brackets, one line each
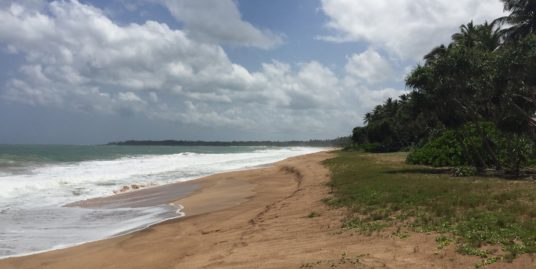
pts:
[485, 36]
[467, 36]
[521, 21]
[488, 36]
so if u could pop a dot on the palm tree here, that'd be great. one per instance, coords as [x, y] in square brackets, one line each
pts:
[522, 19]
[435, 54]
[368, 118]
[485, 36]
[467, 36]
[488, 36]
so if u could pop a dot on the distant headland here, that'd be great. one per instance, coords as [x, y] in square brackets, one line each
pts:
[337, 142]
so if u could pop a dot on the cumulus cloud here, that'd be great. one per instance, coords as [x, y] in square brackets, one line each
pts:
[219, 21]
[405, 28]
[370, 67]
[74, 57]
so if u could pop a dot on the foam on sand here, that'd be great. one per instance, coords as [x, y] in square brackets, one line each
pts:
[32, 213]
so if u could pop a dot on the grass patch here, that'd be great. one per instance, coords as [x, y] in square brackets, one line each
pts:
[380, 191]
[345, 261]
[443, 241]
[365, 226]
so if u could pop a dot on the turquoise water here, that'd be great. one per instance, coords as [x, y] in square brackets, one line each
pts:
[21, 155]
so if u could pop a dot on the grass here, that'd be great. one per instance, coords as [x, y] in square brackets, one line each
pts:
[474, 213]
[443, 241]
[344, 261]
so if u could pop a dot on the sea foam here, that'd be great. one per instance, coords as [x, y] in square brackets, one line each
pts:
[33, 219]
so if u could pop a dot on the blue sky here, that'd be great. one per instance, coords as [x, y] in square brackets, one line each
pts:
[86, 72]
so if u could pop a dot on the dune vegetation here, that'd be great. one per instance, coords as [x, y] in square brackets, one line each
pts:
[455, 155]
[492, 218]
[470, 103]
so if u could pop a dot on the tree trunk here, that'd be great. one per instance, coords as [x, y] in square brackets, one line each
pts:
[487, 146]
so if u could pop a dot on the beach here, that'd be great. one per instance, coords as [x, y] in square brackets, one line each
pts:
[59, 196]
[271, 217]
[235, 134]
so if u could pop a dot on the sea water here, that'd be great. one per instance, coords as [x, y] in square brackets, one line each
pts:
[36, 181]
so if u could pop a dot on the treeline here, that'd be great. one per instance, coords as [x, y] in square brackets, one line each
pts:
[338, 142]
[472, 102]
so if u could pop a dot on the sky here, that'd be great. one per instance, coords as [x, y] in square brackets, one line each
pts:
[91, 72]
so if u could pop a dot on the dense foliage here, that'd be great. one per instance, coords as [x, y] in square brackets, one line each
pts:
[472, 102]
[445, 150]
[466, 146]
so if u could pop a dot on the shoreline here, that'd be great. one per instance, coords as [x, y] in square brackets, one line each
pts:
[213, 194]
[180, 214]
[272, 217]
[160, 198]
[153, 196]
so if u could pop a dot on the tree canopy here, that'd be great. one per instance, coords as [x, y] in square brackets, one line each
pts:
[481, 87]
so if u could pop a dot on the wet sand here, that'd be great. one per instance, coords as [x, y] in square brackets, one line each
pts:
[153, 196]
[271, 217]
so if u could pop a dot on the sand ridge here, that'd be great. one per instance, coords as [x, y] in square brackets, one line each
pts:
[270, 217]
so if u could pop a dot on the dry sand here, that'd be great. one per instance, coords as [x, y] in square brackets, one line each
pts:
[258, 219]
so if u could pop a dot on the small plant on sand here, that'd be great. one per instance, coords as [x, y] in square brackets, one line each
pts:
[400, 233]
[343, 261]
[486, 262]
[443, 241]
[313, 214]
[365, 227]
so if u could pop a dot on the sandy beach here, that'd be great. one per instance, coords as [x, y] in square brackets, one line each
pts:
[270, 217]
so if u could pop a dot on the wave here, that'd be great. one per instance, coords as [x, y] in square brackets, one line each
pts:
[32, 216]
[65, 182]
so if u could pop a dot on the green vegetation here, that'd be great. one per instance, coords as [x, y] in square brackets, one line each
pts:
[443, 241]
[471, 108]
[344, 261]
[472, 102]
[465, 147]
[313, 214]
[486, 217]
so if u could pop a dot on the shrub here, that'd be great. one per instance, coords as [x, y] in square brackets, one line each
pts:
[479, 145]
[441, 151]
[373, 148]
[474, 144]
[516, 152]
[464, 171]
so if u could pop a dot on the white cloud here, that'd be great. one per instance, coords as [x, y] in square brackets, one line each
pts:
[76, 58]
[220, 21]
[405, 28]
[130, 97]
[369, 67]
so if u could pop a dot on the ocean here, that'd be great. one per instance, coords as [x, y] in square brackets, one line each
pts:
[36, 181]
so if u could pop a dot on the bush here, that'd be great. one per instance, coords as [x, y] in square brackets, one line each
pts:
[441, 151]
[516, 152]
[479, 145]
[474, 144]
[373, 148]
[352, 147]
[464, 171]
[532, 161]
